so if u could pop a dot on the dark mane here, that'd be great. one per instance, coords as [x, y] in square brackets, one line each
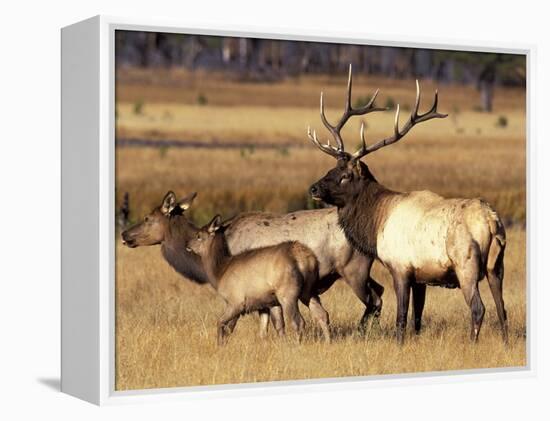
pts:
[175, 253]
[361, 218]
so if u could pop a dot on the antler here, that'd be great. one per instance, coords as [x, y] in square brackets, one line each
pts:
[328, 148]
[415, 118]
[349, 111]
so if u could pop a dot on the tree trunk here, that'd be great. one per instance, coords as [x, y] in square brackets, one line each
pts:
[486, 83]
[486, 90]
[243, 52]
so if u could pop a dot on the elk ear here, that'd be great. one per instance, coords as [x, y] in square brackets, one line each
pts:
[187, 201]
[168, 203]
[215, 224]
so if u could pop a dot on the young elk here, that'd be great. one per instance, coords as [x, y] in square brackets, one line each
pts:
[259, 278]
[420, 237]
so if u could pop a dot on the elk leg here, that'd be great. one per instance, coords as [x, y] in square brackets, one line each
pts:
[495, 284]
[402, 286]
[292, 314]
[320, 315]
[264, 322]
[227, 322]
[495, 276]
[277, 320]
[469, 288]
[419, 299]
[230, 325]
[477, 308]
[376, 291]
[468, 274]
[368, 291]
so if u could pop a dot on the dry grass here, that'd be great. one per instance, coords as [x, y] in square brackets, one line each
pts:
[166, 325]
[184, 87]
[260, 124]
[166, 334]
[231, 181]
[280, 112]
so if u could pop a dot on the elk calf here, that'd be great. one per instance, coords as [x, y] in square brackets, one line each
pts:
[259, 278]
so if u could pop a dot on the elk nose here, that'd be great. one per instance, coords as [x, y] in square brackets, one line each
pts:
[313, 190]
[125, 239]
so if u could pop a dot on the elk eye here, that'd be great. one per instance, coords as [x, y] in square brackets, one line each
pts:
[344, 179]
[146, 219]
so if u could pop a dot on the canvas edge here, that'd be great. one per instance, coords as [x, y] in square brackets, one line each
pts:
[107, 393]
[80, 88]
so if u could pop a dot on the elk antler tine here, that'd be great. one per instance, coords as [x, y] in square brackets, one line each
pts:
[432, 113]
[362, 151]
[439, 115]
[414, 114]
[373, 98]
[432, 110]
[309, 135]
[329, 149]
[348, 99]
[362, 133]
[323, 117]
[312, 136]
[338, 150]
[396, 123]
[413, 120]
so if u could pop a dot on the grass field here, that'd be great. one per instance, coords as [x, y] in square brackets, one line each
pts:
[166, 331]
[166, 325]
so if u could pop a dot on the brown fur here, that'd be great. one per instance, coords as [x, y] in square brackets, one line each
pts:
[167, 225]
[318, 228]
[258, 278]
[421, 238]
[366, 217]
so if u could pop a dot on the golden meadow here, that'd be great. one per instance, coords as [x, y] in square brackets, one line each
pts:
[165, 325]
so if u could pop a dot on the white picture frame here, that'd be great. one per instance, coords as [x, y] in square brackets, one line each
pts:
[88, 226]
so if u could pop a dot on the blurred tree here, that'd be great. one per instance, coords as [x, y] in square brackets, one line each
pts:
[266, 60]
[487, 69]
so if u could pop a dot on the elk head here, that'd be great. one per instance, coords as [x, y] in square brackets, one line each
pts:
[200, 245]
[153, 228]
[346, 180]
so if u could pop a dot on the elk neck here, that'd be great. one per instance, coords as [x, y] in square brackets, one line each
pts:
[363, 216]
[179, 232]
[216, 258]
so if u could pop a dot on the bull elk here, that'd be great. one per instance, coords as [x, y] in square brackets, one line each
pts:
[318, 229]
[260, 278]
[421, 237]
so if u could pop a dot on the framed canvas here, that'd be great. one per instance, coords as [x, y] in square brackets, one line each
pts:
[214, 240]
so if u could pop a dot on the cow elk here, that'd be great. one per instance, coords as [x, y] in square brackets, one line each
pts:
[259, 278]
[421, 237]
